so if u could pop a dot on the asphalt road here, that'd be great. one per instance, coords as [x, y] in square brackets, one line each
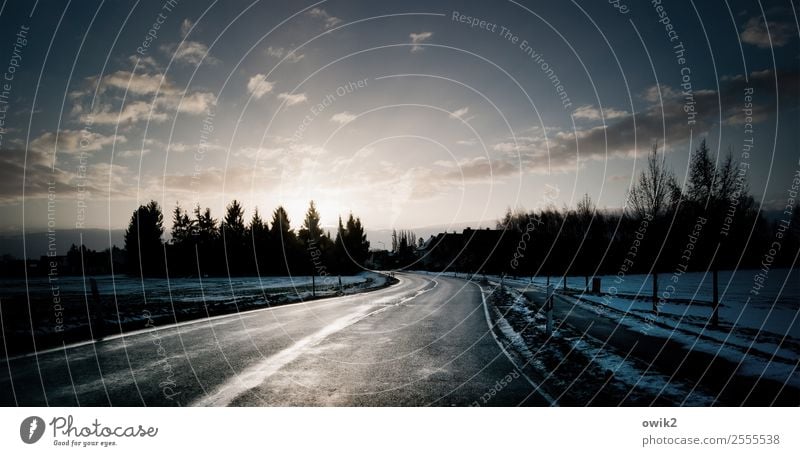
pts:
[424, 341]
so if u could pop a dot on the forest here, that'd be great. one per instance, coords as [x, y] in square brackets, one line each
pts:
[710, 223]
[201, 245]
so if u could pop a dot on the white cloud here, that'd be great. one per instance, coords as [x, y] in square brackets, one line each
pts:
[140, 84]
[327, 19]
[189, 52]
[292, 98]
[186, 25]
[146, 63]
[280, 53]
[459, 113]
[74, 141]
[149, 96]
[589, 112]
[417, 38]
[258, 86]
[343, 117]
[756, 33]
[132, 153]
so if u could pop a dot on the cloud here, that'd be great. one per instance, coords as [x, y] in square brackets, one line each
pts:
[763, 35]
[467, 142]
[145, 63]
[40, 178]
[189, 52]
[178, 147]
[280, 53]
[132, 153]
[657, 122]
[343, 117]
[417, 38]
[292, 99]
[71, 141]
[327, 19]
[186, 26]
[258, 86]
[140, 84]
[149, 97]
[459, 113]
[589, 112]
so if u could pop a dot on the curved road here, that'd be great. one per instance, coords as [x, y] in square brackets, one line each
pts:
[424, 341]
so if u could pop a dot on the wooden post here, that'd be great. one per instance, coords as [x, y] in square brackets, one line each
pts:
[548, 304]
[655, 293]
[313, 285]
[715, 303]
[99, 319]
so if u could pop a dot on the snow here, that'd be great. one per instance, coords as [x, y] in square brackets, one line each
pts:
[759, 353]
[183, 289]
[763, 340]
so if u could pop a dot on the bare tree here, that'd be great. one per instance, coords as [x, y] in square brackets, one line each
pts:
[654, 191]
[651, 197]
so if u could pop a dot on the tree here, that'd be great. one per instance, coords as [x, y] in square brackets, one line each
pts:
[311, 231]
[234, 232]
[208, 255]
[143, 241]
[652, 195]
[283, 240]
[719, 194]
[258, 249]
[356, 240]
[702, 176]
[590, 236]
[182, 226]
[233, 223]
[205, 225]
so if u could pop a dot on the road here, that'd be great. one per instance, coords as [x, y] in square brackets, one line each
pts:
[424, 341]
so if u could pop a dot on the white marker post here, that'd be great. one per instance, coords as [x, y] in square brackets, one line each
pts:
[548, 306]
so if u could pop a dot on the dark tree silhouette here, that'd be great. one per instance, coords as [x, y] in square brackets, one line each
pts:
[283, 243]
[143, 241]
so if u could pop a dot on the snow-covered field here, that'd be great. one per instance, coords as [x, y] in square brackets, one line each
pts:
[759, 333]
[210, 286]
[61, 309]
[775, 309]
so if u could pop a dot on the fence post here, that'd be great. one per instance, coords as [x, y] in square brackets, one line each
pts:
[655, 292]
[715, 314]
[548, 304]
[313, 285]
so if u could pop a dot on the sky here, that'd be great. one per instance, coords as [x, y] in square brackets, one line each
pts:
[407, 114]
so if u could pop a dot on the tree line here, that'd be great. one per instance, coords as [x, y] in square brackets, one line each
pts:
[711, 223]
[202, 245]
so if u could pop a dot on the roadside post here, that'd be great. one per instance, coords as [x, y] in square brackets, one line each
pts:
[548, 306]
